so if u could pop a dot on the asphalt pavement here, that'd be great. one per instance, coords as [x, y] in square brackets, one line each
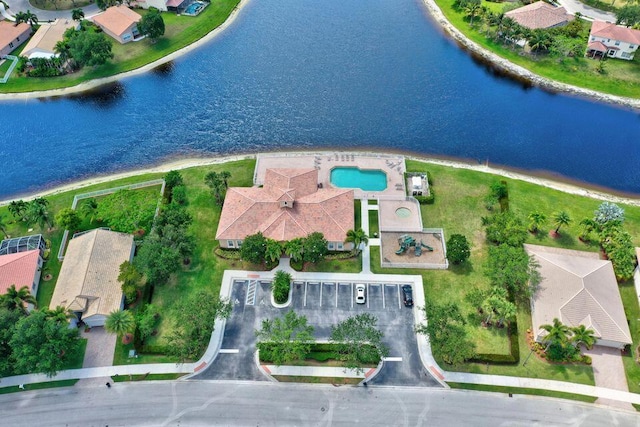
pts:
[209, 403]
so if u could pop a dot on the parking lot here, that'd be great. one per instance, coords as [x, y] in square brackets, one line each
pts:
[324, 304]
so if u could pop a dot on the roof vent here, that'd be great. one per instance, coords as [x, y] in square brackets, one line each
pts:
[286, 203]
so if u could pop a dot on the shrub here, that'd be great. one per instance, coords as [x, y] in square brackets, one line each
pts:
[426, 200]
[458, 250]
[231, 254]
[505, 227]
[281, 286]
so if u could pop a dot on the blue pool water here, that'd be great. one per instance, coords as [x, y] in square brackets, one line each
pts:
[367, 180]
[193, 8]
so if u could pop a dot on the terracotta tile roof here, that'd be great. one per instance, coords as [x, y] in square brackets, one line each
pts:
[117, 19]
[539, 15]
[249, 210]
[9, 32]
[579, 289]
[18, 269]
[88, 279]
[597, 46]
[615, 32]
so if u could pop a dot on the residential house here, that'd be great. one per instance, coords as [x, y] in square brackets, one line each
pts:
[119, 22]
[163, 5]
[613, 41]
[578, 288]
[540, 15]
[12, 36]
[20, 269]
[290, 204]
[43, 42]
[88, 281]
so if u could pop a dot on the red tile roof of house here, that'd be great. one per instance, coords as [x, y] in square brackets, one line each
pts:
[597, 46]
[615, 32]
[117, 19]
[247, 211]
[9, 31]
[18, 269]
[539, 15]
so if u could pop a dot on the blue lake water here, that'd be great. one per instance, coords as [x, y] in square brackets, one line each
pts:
[303, 74]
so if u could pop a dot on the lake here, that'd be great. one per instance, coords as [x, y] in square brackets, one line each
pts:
[302, 74]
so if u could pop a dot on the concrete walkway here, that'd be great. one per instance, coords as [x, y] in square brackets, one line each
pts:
[588, 12]
[608, 372]
[364, 219]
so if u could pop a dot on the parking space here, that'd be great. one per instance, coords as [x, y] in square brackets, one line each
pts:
[324, 304]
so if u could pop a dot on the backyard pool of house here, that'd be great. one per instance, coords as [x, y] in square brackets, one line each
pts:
[195, 8]
[364, 179]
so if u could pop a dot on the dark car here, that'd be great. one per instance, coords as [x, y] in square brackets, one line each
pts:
[407, 295]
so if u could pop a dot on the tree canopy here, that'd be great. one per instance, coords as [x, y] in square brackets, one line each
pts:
[254, 248]
[315, 247]
[152, 24]
[286, 338]
[360, 341]
[458, 250]
[89, 48]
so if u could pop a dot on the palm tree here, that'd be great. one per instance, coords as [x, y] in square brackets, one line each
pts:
[3, 226]
[77, 14]
[295, 249]
[37, 213]
[536, 219]
[587, 225]
[357, 237]
[63, 51]
[539, 40]
[472, 9]
[225, 175]
[559, 219]
[89, 207]
[120, 322]
[60, 314]
[18, 208]
[557, 333]
[582, 335]
[273, 251]
[18, 299]
[20, 18]
[30, 18]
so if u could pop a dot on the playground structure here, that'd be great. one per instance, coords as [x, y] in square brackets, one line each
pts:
[407, 242]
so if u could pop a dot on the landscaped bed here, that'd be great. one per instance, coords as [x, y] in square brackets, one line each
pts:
[321, 354]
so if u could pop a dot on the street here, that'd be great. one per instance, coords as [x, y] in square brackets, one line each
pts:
[206, 403]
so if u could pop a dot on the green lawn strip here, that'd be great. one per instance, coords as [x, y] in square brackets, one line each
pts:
[349, 265]
[521, 390]
[38, 386]
[374, 228]
[621, 78]
[631, 367]
[146, 377]
[121, 356]
[357, 212]
[180, 31]
[317, 380]
[76, 361]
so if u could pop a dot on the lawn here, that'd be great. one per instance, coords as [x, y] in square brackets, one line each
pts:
[146, 377]
[528, 391]
[374, 229]
[38, 386]
[621, 78]
[631, 367]
[180, 31]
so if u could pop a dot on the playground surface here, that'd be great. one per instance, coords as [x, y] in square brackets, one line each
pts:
[417, 255]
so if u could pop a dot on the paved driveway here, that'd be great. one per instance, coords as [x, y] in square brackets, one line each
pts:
[324, 304]
[100, 348]
[574, 6]
[608, 371]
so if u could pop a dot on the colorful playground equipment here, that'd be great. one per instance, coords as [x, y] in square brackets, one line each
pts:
[406, 242]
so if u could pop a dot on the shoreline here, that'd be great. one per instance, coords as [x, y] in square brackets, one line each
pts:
[510, 69]
[93, 84]
[516, 71]
[186, 163]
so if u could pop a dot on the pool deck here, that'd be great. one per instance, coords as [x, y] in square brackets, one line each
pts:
[392, 165]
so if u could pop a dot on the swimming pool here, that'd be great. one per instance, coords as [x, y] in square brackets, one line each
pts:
[364, 179]
[194, 8]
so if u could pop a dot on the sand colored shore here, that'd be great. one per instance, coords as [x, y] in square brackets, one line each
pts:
[515, 70]
[433, 9]
[194, 162]
[92, 84]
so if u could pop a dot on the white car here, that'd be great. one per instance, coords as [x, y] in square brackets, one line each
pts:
[360, 293]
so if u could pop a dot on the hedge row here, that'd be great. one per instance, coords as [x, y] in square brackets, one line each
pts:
[426, 200]
[232, 254]
[503, 359]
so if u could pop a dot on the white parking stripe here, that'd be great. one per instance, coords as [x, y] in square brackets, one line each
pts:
[352, 295]
[392, 359]
[229, 351]
[337, 289]
[305, 294]
[368, 295]
[321, 287]
[399, 299]
[383, 302]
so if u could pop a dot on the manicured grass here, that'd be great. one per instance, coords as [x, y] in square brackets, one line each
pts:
[373, 223]
[520, 390]
[350, 265]
[621, 78]
[121, 356]
[180, 31]
[317, 380]
[76, 362]
[39, 386]
[357, 212]
[145, 377]
[631, 367]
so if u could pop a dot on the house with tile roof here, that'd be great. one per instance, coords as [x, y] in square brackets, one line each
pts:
[540, 15]
[20, 269]
[290, 204]
[613, 41]
[43, 42]
[88, 281]
[578, 288]
[119, 22]
[12, 36]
